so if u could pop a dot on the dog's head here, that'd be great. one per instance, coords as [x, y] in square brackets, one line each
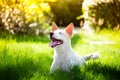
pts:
[59, 37]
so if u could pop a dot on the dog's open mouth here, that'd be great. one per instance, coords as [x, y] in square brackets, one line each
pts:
[55, 42]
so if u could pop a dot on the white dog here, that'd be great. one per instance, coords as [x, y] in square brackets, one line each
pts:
[64, 57]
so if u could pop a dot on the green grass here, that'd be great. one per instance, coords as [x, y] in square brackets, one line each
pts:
[30, 58]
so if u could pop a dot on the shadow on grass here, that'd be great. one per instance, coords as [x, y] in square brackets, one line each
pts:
[17, 72]
[75, 74]
[24, 38]
[109, 72]
[94, 71]
[43, 39]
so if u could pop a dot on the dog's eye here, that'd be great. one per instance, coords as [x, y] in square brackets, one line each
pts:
[60, 33]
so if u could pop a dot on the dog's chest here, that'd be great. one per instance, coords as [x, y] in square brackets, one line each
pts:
[66, 59]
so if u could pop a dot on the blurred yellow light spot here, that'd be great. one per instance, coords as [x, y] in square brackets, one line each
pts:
[45, 7]
[33, 6]
[40, 15]
[51, 0]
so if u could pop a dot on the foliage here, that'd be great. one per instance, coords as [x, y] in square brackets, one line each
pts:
[106, 14]
[30, 58]
[66, 11]
[25, 17]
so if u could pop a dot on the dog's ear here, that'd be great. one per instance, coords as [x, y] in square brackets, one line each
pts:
[69, 29]
[54, 26]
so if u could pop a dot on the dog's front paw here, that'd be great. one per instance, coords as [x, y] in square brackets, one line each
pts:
[51, 71]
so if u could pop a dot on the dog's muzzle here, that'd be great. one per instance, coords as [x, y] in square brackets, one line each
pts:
[54, 42]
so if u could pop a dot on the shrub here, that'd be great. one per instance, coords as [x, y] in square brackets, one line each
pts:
[106, 14]
[25, 17]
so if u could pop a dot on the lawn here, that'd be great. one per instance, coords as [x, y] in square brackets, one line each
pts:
[30, 58]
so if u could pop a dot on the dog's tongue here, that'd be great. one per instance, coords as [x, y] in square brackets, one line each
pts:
[55, 43]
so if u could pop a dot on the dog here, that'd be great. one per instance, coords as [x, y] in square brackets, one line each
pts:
[64, 56]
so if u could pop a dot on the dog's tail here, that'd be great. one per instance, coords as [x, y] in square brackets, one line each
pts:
[93, 56]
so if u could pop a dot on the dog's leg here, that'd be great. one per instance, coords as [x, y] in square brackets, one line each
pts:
[54, 66]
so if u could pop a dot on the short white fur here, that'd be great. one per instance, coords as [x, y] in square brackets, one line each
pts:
[64, 57]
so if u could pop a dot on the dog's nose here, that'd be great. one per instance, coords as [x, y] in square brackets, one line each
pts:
[51, 34]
